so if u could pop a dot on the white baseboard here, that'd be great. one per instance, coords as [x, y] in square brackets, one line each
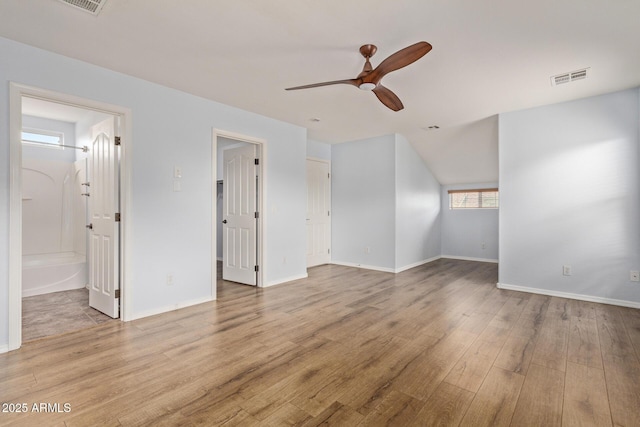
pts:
[172, 307]
[366, 267]
[580, 297]
[285, 280]
[417, 264]
[387, 269]
[4, 349]
[466, 258]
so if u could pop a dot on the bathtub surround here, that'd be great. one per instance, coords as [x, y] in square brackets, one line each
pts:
[50, 196]
[54, 213]
[46, 273]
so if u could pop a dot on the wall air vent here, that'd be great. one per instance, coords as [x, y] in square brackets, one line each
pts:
[92, 6]
[569, 77]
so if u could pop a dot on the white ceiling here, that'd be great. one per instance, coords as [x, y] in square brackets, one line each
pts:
[488, 57]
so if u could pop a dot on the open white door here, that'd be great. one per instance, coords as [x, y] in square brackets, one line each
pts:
[318, 213]
[104, 236]
[239, 215]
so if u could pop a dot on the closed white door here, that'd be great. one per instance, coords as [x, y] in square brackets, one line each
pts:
[104, 236]
[318, 213]
[239, 223]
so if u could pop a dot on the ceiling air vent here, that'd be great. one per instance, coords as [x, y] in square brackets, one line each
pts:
[92, 6]
[569, 77]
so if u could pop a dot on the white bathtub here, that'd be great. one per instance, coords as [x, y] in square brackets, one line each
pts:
[63, 271]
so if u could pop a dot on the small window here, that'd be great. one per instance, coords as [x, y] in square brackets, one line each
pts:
[43, 138]
[485, 198]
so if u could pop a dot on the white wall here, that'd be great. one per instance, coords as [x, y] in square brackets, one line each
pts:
[363, 202]
[465, 231]
[318, 150]
[171, 231]
[418, 209]
[384, 198]
[570, 195]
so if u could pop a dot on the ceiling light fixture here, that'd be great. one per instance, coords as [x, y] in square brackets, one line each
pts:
[367, 86]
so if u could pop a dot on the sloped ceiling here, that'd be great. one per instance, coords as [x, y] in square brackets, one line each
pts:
[488, 57]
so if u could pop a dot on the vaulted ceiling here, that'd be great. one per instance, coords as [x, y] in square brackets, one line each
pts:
[488, 57]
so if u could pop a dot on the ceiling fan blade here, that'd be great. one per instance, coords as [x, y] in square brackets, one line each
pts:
[398, 60]
[388, 98]
[353, 82]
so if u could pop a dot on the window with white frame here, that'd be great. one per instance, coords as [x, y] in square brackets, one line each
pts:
[43, 138]
[484, 198]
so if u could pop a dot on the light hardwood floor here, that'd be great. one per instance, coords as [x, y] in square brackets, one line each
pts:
[435, 345]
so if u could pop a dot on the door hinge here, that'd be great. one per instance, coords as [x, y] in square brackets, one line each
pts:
[328, 213]
[117, 216]
[256, 161]
[117, 140]
[117, 293]
[256, 268]
[256, 215]
[328, 251]
[328, 176]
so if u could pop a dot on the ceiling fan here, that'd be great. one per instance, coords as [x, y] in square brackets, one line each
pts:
[369, 78]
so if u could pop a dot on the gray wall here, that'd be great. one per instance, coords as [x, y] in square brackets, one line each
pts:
[464, 231]
[171, 231]
[569, 188]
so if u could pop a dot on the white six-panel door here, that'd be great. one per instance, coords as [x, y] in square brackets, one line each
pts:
[318, 213]
[239, 215]
[104, 233]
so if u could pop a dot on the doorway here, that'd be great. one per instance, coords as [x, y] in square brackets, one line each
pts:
[238, 238]
[62, 250]
[318, 212]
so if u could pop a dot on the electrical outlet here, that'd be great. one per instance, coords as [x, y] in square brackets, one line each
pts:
[170, 279]
[566, 270]
[634, 276]
[484, 246]
[367, 250]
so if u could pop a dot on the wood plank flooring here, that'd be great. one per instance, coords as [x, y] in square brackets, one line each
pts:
[435, 345]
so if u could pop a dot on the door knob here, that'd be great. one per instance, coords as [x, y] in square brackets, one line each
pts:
[224, 221]
[90, 226]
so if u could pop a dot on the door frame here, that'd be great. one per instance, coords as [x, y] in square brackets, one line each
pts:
[16, 93]
[261, 153]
